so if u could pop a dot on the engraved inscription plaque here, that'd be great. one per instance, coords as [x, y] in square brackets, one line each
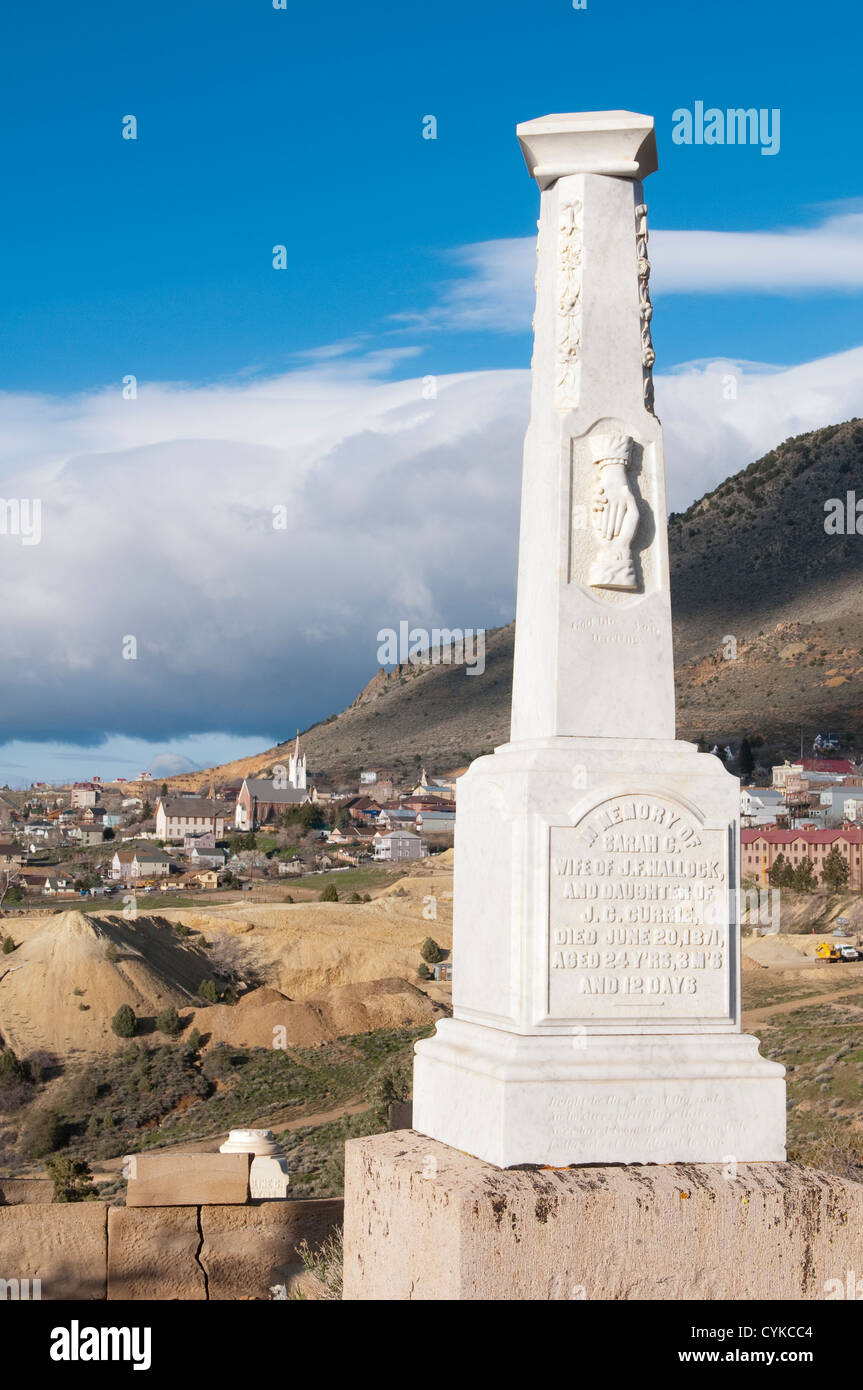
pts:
[639, 916]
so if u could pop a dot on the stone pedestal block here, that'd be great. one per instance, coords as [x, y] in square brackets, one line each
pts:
[423, 1221]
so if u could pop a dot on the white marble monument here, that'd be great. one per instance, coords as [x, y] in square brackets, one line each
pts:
[596, 940]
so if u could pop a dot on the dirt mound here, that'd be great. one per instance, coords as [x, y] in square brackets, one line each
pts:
[777, 952]
[71, 972]
[267, 1018]
[305, 949]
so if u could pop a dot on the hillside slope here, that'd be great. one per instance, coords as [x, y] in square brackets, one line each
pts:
[749, 561]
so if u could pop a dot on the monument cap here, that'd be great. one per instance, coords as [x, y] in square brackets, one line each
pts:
[619, 143]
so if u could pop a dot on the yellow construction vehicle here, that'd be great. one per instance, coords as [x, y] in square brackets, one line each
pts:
[827, 951]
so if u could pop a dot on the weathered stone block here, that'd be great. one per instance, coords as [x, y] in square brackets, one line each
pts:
[424, 1221]
[153, 1254]
[248, 1250]
[181, 1180]
[64, 1246]
[29, 1191]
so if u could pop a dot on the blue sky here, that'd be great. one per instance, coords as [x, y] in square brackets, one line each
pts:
[303, 127]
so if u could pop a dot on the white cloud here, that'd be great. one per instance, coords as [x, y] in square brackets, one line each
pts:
[709, 435]
[158, 524]
[497, 290]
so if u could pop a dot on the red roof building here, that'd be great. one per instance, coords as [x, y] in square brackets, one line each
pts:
[761, 846]
[837, 767]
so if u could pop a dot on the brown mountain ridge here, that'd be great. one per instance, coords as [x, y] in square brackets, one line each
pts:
[768, 629]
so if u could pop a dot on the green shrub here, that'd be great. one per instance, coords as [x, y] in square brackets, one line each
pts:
[431, 951]
[423, 972]
[325, 1264]
[193, 1041]
[45, 1133]
[221, 1061]
[11, 1070]
[168, 1022]
[329, 894]
[124, 1022]
[8, 945]
[207, 990]
[391, 1084]
[71, 1178]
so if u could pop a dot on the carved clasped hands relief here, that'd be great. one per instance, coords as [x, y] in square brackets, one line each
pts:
[615, 513]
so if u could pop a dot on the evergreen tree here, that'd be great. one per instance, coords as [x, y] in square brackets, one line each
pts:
[746, 759]
[835, 872]
[805, 877]
[168, 1022]
[72, 1178]
[124, 1021]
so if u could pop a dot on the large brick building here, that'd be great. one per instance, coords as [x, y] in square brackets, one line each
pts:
[177, 817]
[261, 802]
[761, 846]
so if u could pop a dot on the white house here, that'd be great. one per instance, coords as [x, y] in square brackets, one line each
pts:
[761, 805]
[399, 844]
[141, 862]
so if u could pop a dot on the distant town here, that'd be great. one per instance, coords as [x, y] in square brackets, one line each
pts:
[96, 839]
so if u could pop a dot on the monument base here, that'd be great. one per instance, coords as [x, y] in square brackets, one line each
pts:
[510, 1099]
[423, 1221]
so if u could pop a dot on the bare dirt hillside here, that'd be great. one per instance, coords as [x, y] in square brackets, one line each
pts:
[303, 949]
[325, 970]
[750, 561]
[71, 973]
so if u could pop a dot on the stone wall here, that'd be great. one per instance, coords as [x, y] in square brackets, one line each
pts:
[88, 1250]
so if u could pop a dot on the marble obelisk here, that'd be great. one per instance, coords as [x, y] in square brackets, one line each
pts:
[596, 993]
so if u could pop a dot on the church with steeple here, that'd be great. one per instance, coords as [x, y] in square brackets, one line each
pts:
[297, 767]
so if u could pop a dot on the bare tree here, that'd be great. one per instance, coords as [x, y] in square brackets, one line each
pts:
[8, 879]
